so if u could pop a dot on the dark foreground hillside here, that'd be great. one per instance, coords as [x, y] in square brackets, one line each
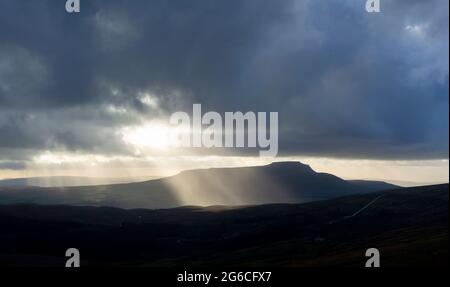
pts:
[409, 226]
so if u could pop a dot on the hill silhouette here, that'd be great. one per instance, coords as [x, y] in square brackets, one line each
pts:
[281, 182]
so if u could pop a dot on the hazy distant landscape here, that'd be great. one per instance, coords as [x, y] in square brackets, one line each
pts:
[61, 181]
[281, 182]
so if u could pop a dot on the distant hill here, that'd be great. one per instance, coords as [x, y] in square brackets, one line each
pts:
[59, 181]
[282, 182]
[409, 226]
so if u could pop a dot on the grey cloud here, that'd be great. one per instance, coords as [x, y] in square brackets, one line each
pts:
[346, 83]
[14, 165]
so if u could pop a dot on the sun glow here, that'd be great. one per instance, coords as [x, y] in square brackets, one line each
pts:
[153, 136]
[149, 136]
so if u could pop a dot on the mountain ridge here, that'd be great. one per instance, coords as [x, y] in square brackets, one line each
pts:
[281, 182]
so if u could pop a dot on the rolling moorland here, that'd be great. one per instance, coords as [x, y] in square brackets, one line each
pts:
[408, 225]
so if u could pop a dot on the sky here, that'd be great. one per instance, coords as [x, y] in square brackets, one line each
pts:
[360, 95]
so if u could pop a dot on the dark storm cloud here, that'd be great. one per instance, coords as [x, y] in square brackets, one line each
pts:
[345, 82]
